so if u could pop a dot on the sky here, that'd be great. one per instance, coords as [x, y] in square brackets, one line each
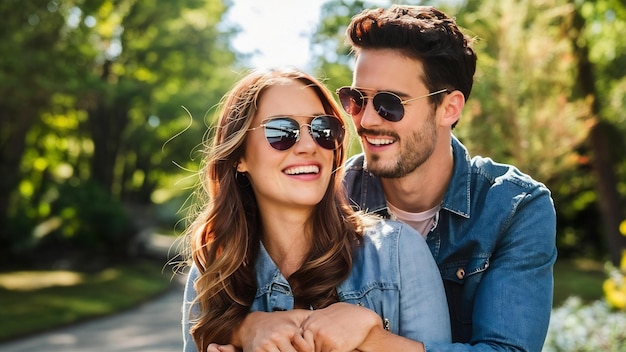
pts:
[277, 31]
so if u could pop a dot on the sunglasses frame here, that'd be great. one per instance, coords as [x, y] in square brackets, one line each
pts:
[364, 99]
[338, 140]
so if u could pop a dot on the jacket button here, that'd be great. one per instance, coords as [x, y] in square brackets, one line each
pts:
[460, 273]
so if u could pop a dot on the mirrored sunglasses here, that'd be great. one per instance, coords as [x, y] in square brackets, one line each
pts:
[282, 132]
[388, 105]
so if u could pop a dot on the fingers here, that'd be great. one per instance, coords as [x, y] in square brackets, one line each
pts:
[284, 346]
[340, 326]
[304, 342]
[221, 348]
[308, 337]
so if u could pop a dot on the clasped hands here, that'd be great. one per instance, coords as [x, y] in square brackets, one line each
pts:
[340, 327]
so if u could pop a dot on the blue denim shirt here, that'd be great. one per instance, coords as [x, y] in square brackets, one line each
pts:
[495, 245]
[393, 274]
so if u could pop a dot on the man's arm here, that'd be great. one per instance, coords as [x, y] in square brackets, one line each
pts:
[513, 303]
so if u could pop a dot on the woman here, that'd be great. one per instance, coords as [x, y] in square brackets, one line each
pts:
[276, 234]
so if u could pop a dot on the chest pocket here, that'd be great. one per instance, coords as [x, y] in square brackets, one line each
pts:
[381, 297]
[461, 280]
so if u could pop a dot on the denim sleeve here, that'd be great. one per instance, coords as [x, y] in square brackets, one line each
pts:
[514, 300]
[188, 310]
[423, 307]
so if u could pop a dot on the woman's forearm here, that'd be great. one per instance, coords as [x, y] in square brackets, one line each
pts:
[379, 340]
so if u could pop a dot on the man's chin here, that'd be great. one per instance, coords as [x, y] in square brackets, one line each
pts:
[380, 167]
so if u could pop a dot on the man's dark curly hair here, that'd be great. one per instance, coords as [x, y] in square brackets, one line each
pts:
[422, 33]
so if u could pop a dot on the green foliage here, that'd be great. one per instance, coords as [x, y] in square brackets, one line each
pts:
[89, 218]
[97, 91]
[158, 58]
[580, 277]
[614, 286]
[518, 113]
[72, 221]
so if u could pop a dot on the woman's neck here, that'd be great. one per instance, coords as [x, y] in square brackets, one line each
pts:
[287, 239]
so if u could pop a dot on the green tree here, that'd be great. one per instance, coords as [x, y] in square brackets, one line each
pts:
[33, 68]
[108, 85]
[155, 58]
[596, 36]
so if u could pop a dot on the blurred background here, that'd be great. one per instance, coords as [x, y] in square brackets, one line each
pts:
[104, 106]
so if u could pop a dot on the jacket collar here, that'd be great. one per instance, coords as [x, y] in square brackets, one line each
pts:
[457, 198]
[267, 271]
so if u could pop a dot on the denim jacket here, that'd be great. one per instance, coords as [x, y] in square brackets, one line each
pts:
[495, 245]
[393, 274]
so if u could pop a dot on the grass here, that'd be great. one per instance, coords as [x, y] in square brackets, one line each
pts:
[35, 301]
[578, 277]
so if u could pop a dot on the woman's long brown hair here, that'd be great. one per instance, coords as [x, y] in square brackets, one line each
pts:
[224, 235]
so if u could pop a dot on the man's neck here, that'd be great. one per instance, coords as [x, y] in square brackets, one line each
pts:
[425, 187]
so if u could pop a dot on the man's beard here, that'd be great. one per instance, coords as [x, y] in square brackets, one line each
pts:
[414, 152]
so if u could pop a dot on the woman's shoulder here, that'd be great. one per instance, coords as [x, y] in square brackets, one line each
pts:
[386, 246]
[390, 233]
[377, 227]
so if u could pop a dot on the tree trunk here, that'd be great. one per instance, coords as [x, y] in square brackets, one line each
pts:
[599, 140]
[608, 197]
[107, 122]
[14, 126]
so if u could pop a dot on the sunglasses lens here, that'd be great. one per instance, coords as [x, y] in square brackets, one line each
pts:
[327, 131]
[388, 106]
[281, 133]
[351, 100]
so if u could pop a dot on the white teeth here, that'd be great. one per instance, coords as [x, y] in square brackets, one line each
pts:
[379, 141]
[309, 169]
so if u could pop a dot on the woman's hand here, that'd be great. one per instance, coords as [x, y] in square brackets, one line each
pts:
[340, 327]
[221, 348]
[272, 332]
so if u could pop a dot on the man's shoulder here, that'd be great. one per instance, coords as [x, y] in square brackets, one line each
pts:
[355, 163]
[488, 169]
[354, 175]
[498, 173]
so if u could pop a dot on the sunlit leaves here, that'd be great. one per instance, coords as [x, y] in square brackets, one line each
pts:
[520, 111]
[84, 85]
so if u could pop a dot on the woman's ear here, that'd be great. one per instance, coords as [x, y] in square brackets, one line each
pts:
[451, 107]
[240, 166]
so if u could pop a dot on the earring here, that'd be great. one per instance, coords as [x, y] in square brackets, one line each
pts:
[241, 179]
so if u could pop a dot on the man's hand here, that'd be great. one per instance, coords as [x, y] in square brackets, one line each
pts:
[340, 327]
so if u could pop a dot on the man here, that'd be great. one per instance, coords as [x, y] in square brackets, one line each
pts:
[490, 228]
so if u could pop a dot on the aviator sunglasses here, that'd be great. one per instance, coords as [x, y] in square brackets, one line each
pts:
[388, 105]
[283, 132]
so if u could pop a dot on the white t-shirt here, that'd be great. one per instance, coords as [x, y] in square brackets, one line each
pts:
[423, 221]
